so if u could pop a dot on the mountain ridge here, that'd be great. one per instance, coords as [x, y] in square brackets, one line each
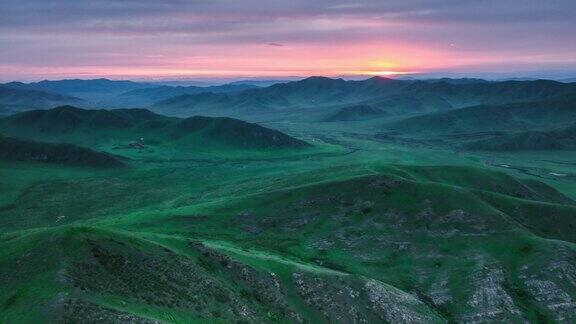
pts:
[322, 91]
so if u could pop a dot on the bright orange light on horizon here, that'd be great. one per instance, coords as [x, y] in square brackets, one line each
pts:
[384, 73]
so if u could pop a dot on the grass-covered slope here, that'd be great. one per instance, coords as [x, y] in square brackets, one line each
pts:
[70, 119]
[506, 117]
[234, 132]
[356, 112]
[492, 93]
[468, 254]
[95, 275]
[527, 141]
[554, 139]
[408, 244]
[414, 103]
[15, 149]
[369, 230]
[93, 127]
[198, 242]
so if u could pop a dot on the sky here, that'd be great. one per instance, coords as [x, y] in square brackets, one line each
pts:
[177, 39]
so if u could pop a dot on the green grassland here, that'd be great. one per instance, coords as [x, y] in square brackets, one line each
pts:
[355, 212]
[352, 227]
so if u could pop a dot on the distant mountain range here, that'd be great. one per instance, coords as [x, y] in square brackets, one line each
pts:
[264, 96]
[259, 83]
[95, 93]
[148, 96]
[503, 115]
[100, 93]
[406, 96]
[77, 87]
[14, 100]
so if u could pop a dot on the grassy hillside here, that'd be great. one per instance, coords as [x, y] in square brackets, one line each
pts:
[219, 220]
[184, 280]
[359, 112]
[417, 243]
[528, 126]
[143, 130]
[15, 149]
[528, 141]
[506, 117]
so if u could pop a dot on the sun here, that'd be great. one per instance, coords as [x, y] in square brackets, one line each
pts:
[386, 73]
[381, 68]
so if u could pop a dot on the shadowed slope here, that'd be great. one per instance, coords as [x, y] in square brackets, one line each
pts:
[66, 154]
[505, 117]
[94, 275]
[352, 113]
[79, 126]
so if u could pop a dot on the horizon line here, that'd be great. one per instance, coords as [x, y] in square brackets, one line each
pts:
[351, 77]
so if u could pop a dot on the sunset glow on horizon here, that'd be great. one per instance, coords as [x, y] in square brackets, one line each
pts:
[249, 38]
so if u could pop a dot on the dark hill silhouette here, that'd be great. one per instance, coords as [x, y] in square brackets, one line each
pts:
[237, 132]
[521, 116]
[16, 149]
[69, 117]
[356, 112]
[74, 125]
[527, 141]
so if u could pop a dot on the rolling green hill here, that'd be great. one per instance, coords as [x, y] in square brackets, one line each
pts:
[96, 127]
[521, 116]
[186, 281]
[413, 244]
[382, 218]
[359, 112]
[412, 104]
[527, 141]
[15, 149]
